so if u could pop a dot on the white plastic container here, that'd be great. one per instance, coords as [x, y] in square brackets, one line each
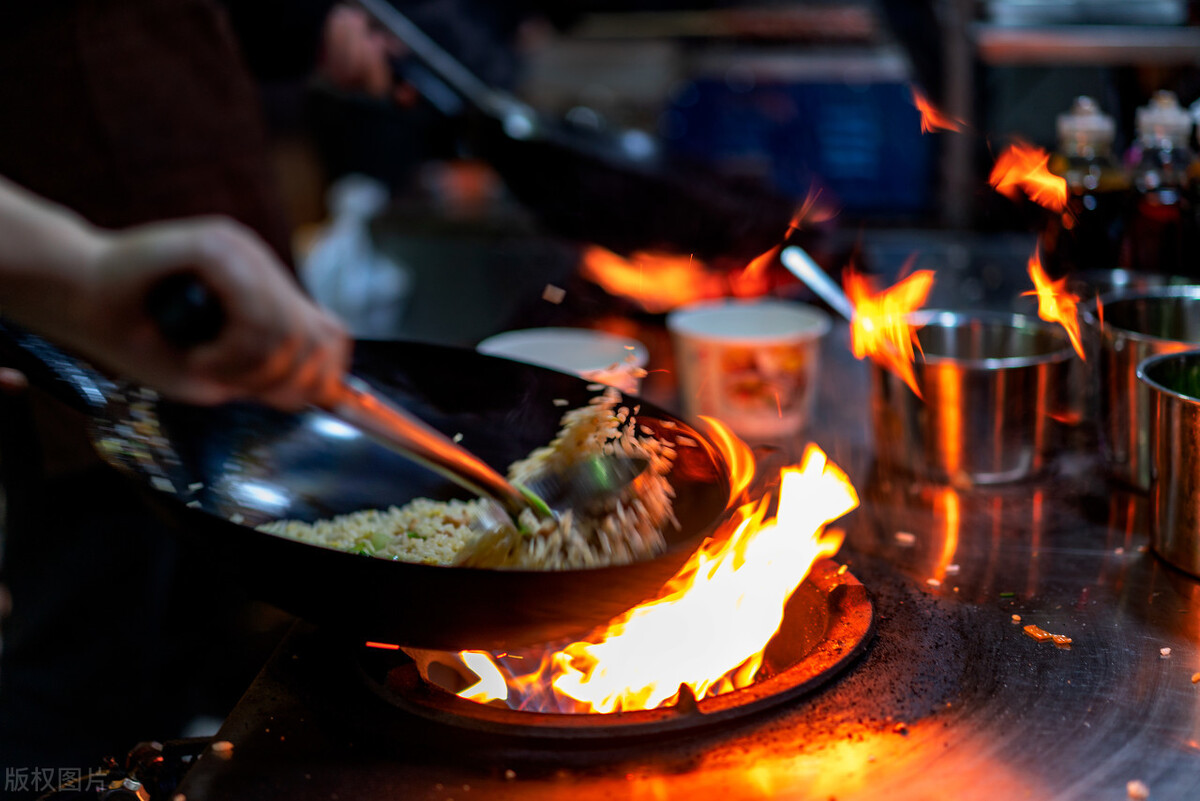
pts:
[753, 365]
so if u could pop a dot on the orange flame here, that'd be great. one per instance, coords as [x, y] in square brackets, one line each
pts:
[933, 120]
[1023, 167]
[810, 211]
[881, 327]
[1055, 303]
[738, 455]
[712, 621]
[658, 282]
[751, 280]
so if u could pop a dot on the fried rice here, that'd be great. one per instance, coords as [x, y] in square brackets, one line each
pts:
[617, 530]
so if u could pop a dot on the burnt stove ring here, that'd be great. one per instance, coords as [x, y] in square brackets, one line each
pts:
[827, 623]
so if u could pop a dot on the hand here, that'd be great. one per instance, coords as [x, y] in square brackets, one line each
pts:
[276, 345]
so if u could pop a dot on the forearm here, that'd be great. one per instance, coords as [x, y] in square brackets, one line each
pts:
[46, 255]
[86, 289]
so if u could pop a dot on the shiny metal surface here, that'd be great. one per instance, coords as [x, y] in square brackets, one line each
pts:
[360, 406]
[801, 265]
[951, 701]
[217, 473]
[828, 623]
[1134, 327]
[1173, 381]
[993, 385]
[1090, 284]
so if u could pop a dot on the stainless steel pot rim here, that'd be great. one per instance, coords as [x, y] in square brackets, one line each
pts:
[1090, 315]
[1121, 278]
[1150, 362]
[946, 318]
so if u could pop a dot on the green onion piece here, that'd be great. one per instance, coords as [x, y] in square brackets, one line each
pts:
[412, 535]
[537, 503]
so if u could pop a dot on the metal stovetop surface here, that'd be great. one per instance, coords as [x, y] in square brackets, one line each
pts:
[952, 699]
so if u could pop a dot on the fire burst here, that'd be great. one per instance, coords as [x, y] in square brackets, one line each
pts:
[753, 275]
[881, 327]
[658, 282]
[933, 120]
[1022, 167]
[711, 624]
[1055, 303]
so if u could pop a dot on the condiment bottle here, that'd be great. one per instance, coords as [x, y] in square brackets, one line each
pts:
[1088, 234]
[1161, 234]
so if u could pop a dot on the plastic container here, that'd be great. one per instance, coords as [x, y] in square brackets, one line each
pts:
[753, 365]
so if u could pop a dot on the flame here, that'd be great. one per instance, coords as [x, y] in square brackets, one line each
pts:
[810, 211]
[1055, 303]
[757, 268]
[751, 280]
[491, 681]
[709, 627]
[738, 455]
[933, 120]
[658, 282]
[881, 328]
[1023, 167]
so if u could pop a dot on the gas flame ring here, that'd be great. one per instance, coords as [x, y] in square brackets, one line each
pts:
[828, 622]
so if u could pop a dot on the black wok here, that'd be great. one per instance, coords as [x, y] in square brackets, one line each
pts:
[241, 465]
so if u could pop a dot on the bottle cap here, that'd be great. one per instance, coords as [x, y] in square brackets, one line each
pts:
[1163, 121]
[1085, 125]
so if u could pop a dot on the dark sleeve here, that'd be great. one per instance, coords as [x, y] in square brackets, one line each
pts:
[280, 39]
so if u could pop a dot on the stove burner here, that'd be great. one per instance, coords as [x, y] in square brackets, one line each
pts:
[828, 622]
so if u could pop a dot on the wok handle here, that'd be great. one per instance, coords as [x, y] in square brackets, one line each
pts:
[189, 314]
[185, 310]
[66, 378]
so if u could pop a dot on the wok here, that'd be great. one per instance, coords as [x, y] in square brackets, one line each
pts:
[220, 471]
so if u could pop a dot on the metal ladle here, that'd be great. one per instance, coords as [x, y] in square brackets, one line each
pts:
[188, 314]
[801, 265]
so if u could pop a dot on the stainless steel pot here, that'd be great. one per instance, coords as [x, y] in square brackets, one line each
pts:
[1173, 381]
[993, 386]
[1090, 284]
[1134, 328]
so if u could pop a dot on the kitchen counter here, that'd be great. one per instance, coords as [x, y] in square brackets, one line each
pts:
[951, 700]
